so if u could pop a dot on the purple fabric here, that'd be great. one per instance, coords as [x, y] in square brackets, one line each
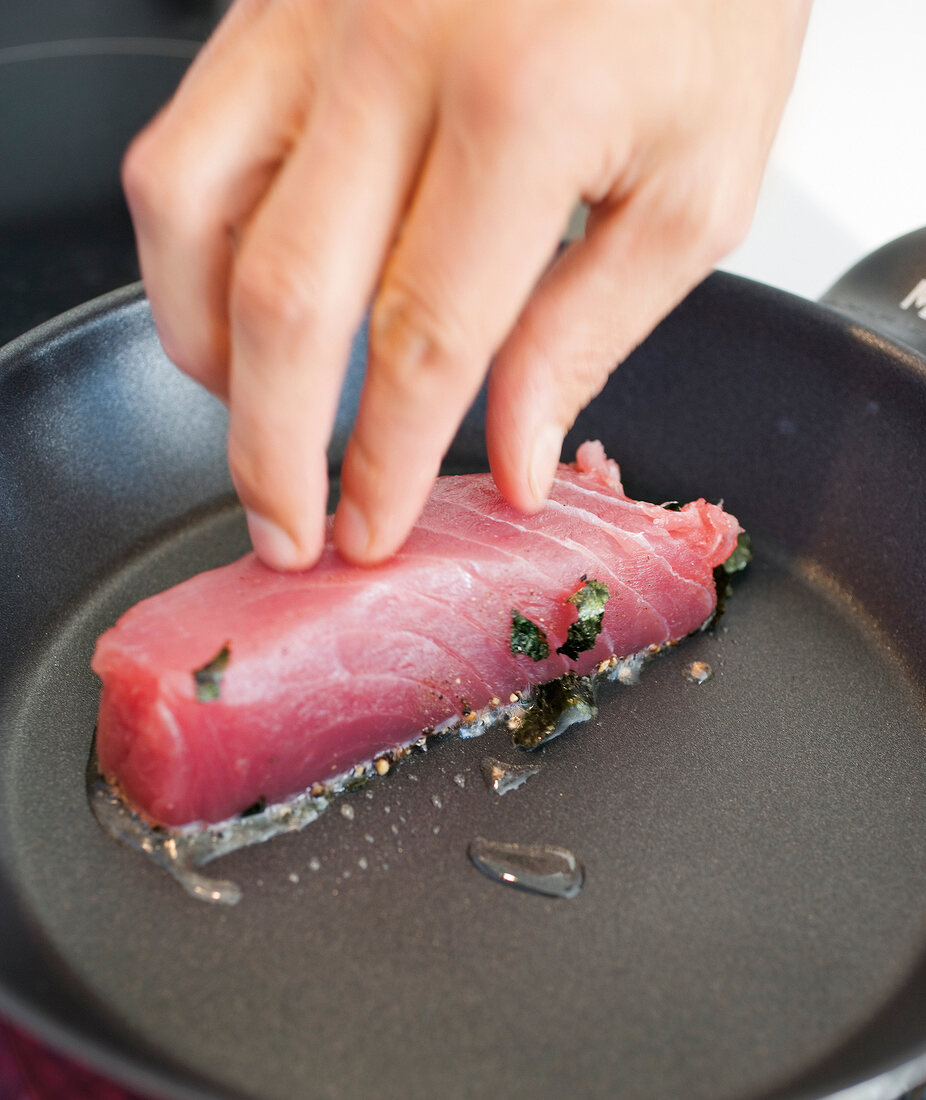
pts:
[30, 1071]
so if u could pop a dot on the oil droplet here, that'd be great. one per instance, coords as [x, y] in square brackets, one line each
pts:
[698, 672]
[538, 868]
[347, 810]
[435, 798]
[293, 877]
[460, 779]
[315, 864]
[502, 778]
[362, 863]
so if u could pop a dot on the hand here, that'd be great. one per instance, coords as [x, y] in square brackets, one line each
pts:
[426, 156]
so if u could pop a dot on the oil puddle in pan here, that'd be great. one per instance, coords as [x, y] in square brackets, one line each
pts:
[538, 868]
[533, 719]
[183, 851]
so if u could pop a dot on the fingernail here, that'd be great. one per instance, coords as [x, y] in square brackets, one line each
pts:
[548, 446]
[272, 544]
[351, 530]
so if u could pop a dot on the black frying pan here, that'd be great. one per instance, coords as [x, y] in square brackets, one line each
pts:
[754, 918]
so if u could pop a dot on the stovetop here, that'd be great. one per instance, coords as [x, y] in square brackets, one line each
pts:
[77, 79]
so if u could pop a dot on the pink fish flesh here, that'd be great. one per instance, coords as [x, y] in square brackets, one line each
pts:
[322, 670]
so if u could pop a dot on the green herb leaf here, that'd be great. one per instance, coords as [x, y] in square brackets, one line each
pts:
[589, 602]
[671, 505]
[528, 638]
[208, 679]
[555, 707]
[741, 555]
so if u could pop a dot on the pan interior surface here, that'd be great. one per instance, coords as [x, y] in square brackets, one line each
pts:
[755, 891]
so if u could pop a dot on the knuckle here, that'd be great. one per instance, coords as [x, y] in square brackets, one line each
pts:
[719, 229]
[138, 171]
[411, 337]
[157, 188]
[709, 220]
[271, 286]
[500, 98]
[729, 226]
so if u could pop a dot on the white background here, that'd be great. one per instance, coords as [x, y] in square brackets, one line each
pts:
[848, 169]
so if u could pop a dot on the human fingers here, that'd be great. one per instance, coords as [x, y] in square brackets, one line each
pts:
[682, 197]
[302, 280]
[485, 218]
[194, 175]
[641, 255]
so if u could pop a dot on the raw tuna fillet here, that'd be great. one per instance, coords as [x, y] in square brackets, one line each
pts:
[308, 674]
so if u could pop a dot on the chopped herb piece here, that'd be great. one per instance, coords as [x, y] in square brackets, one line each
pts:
[671, 505]
[528, 638]
[257, 807]
[208, 679]
[589, 602]
[739, 558]
[741, 555]
[555, 707]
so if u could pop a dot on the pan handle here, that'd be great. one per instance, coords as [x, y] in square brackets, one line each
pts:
[886, 291]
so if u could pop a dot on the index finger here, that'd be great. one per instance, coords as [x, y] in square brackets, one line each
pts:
[485, 219]
[303, 277]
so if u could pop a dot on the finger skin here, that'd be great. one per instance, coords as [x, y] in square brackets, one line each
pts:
[303, 277]
[454, 286]
[428, 154]
[593, 307]
[236, 103]
[645, 248]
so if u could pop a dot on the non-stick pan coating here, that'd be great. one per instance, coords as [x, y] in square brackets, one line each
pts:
[753, 918]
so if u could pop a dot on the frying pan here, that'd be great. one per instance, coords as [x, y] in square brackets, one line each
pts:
[753, 920]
